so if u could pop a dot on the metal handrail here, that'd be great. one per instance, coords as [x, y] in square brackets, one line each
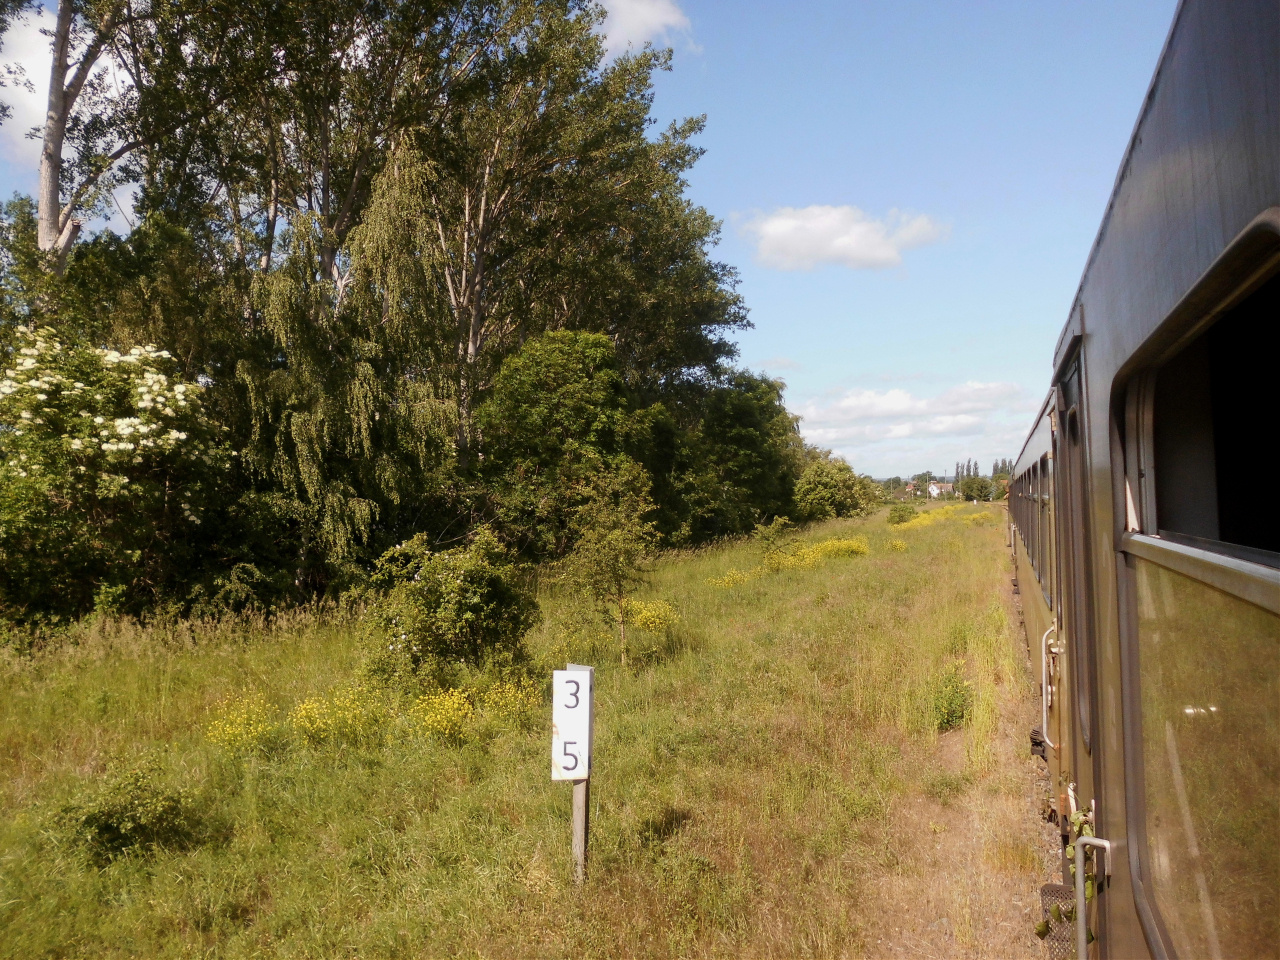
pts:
[1082, 925]
[1044, 687]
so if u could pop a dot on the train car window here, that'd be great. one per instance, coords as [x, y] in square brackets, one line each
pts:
[1213, 424]
[1210, 719]
[1033, 520]
[1045, 523]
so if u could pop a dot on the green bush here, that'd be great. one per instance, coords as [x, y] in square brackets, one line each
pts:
[442, 609]
[131, 811]
[901, 513]
[952, 699]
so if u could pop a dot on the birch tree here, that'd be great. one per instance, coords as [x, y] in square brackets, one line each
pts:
[125, 76]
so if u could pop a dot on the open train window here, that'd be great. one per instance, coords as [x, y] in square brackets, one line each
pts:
[1213, 430]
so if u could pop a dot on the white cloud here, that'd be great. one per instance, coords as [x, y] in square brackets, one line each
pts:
[801, 238]
[887, 432]
[632, 23]
[25, 47]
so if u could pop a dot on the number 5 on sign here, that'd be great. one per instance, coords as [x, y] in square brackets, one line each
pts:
[571, 723]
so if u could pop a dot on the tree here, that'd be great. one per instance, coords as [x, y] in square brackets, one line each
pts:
[351, 217]
[614, 541]
[126, 79]
[554, 417]
[976, 488]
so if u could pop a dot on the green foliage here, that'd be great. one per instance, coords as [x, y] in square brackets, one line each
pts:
[132, 810]
[466, 606]
[108, 468]
[552, 419]
[829, 488]
[901, 513]
[736, 466]
[951, 698]
[774, 535]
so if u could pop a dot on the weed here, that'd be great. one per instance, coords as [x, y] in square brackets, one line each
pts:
[653, 615]
[734, 578]
[446, 715]
[952, 698]
[791, 735]
[945, 787]
[1014, 856]
[513, 701]
[352, 714]
[244, 726]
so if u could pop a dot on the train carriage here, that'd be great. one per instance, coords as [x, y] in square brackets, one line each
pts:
[1145, 532]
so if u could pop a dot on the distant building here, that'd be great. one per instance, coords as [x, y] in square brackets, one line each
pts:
[937, 488]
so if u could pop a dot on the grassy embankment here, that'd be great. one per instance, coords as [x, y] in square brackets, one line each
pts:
[769, 780]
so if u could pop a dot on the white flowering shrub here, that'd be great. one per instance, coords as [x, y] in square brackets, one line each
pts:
[107, 469]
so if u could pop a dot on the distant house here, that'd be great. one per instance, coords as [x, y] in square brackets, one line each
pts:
[937, 488]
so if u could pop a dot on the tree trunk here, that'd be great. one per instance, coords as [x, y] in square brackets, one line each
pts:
[55, 237]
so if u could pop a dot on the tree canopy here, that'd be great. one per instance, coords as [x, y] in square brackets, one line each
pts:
[427, 265]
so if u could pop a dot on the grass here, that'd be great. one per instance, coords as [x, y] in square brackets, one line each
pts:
[768, 761]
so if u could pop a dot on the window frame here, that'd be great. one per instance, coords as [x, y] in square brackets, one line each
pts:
[1250, 260]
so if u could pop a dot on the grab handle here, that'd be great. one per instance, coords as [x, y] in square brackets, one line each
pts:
[1082, 926]
[1044, 688]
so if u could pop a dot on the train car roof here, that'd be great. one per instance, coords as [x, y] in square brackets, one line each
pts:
[1071, 328]
[1039, 441]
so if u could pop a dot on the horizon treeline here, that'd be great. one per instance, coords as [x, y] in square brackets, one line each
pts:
[393, 268]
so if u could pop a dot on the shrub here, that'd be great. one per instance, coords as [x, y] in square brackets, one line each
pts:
[107, 469]
[976, 488]
[132, 810]
[775, 534]
[952, 699]
[901, 513]
[445, 715]
[897, 546]
[464, 606]
[809, 556]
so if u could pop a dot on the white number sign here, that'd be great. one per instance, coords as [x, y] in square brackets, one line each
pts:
[571, 723]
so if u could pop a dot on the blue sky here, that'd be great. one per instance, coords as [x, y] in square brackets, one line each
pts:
[977, 143]
[909, 190]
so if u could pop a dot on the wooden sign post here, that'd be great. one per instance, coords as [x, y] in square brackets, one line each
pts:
[572, 722]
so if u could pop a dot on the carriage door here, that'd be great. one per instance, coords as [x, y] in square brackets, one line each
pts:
[1076, 623]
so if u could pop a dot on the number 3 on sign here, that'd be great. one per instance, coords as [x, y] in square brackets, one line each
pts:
[571, 725]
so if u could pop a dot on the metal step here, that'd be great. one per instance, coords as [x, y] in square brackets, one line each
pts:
[1061, 941]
